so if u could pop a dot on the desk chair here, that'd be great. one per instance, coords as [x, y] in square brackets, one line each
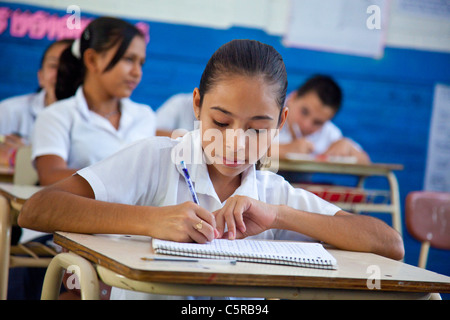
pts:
[24, 172]
[428, 220]
[25, 175]
[29, 254]
[23, 255]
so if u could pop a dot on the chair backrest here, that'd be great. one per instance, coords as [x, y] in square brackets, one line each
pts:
[24, 172]
[428, 217]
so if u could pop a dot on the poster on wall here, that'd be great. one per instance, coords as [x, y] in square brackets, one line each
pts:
[341, 26]
[25, 33]
[437, 174]
[419, 24]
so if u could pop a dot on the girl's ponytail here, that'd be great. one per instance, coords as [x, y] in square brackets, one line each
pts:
[70, 74]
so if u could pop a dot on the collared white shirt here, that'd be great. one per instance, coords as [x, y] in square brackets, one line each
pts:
[148, 173]
[321, 139]
[82, 137]
[177, 113]
[18, 114]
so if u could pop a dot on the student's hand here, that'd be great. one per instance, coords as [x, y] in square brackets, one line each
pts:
[8, 146]
[181, 223]
[342, 147]
[244, 217]
[14, 141]
[346, 148]
[299, 145]
[4, 155]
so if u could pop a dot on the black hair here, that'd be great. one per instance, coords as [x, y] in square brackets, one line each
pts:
[326, 88]
[248, 58]
[67, 42]
[101, 35]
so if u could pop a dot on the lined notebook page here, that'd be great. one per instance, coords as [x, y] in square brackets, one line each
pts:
[277, 252]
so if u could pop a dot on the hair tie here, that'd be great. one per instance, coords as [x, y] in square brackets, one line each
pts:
[86, 34]
[75, 49]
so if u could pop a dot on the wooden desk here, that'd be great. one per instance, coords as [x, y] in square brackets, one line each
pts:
[117, 261]
[12, 197]
[360, 170]
[6, 174]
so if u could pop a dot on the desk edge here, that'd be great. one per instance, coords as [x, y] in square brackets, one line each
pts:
[211, 278]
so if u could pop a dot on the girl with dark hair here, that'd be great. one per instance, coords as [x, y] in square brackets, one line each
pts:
[95, 117]
[142, 189]
[18, 114]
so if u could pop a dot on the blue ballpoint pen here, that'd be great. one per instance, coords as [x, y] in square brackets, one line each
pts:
[189, 182]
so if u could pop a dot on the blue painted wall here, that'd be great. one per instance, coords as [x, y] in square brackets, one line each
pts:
[387, 102]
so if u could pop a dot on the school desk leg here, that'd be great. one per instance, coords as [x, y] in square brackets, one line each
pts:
[5, 245]
[87, 280]
[395, 202]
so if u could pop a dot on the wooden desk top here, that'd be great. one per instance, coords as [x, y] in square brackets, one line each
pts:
[122, 254]
[6, 173]
[18, 193]
[6, 170]
[335, 167]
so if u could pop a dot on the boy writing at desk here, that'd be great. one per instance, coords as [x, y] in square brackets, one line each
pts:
[141, 190]
[309, 129]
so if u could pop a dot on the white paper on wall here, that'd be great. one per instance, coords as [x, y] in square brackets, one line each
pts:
[437, 174]
[342, 26]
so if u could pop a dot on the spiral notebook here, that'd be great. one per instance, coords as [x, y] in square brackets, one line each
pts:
[300, 254]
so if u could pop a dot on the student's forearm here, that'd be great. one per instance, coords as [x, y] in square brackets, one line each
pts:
[54, 210]
[344, 231]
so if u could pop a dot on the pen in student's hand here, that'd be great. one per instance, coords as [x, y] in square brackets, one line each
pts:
[188, 180]
[176, 259]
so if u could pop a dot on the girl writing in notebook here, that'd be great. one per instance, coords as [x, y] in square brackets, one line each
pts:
[142, 189]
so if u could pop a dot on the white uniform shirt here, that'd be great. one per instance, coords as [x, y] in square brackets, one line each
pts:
[177, 113]
[321, 139]
[18, 114]
[82, 137]
[147, 174]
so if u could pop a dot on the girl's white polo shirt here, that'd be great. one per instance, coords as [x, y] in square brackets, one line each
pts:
[82, 137]
[148, 173]
[18, 114]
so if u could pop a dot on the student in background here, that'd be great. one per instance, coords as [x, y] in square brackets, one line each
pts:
[17, 118]
[142, 189]
[18, 114]
[95, 117]
[176, 113]
[309, 129]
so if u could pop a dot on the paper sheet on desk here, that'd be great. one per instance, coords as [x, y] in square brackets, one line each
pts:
[310, 157]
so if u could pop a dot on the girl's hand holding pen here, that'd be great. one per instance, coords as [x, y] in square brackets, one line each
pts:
[186, 222]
